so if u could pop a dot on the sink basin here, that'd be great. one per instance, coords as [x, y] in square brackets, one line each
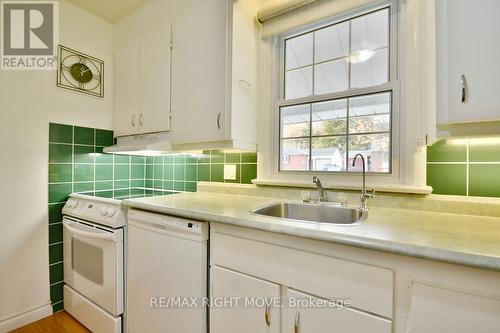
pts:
[319, 213]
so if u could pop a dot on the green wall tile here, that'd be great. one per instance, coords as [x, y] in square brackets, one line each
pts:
[148, 183]
[103, 172]
[179, 172]
[149, 171]
[104, 185]
[137, 159]
[447, 151]
[55, 253]
[104, 194]
[216, 156]
[55, 213]
[191, 172]
[121, 184]
[158, 159]
[84, 154]
[137, 183]
[168, 185]
[168, 172]
[191, 159]
[137, 171]
[179, 186]
[60, 133]
[158, 184]
[101, 157]
[205, 157]
[56, 292]
[59, 173]
[60, 153]
[158, 171]
[83, 172]
[84, 135]
[179, 159]
[217, 172]
[191, 186]
[249, 158]
[481, 152]
[83, 187]
[57, 307]
[59, 192]
[248, 172]
[55, 233]
[204, 172]
[447, 178]
[484, 180]
[103, 138]
[56, 273]
[122, 171]
[233, 157]
[122, 159]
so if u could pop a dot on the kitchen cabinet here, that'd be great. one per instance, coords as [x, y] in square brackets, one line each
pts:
[387, 292]
[246, 303]
[466, 31]
[308, 318]
[142, 88]
[214, 76]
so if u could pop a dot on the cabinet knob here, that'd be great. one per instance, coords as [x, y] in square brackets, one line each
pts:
[133, 120]
[296, 322]
[218, 120]
[463, 83]
[266, 315]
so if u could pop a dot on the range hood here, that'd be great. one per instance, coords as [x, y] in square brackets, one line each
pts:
[142, 145]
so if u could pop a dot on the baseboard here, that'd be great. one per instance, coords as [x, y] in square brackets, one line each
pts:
[25, 318]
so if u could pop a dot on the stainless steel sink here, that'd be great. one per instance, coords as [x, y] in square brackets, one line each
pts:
[319, 213]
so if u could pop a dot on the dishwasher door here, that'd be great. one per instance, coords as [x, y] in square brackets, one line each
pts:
[166, 274]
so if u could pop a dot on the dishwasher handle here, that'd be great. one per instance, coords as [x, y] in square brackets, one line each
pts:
[92, 233]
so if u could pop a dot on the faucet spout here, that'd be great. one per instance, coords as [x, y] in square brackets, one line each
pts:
[364, 195]
[321, 191]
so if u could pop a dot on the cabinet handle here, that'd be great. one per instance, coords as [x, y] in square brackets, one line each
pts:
[296, 322]
[266, 316]
[218, 120]
[463, 83]
[133, 120]
[140, 119]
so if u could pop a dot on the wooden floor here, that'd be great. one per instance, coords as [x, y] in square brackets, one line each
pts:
[60, 322]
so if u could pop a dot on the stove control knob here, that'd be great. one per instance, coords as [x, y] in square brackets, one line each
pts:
[75, 203]
[111, 211]
[104, 211]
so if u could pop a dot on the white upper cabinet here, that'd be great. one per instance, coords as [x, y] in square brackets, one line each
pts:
[142, 91]
[127, 89]
[214, 66]
[468, 70]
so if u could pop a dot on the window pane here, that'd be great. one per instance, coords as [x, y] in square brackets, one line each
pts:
[294, 154]
[375, 148]
[329, 153]
[370, 113]
[370, 32]
[299, 51]
[370, 70]
[331, 42]
[329, 118]
[298, 83]
[295, 121]
[331, 77]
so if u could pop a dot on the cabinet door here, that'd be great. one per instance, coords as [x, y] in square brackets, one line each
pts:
[311, 317]
[126, 89]
[154, 87]
[241, 315]
[473, 50]
[437, 309]
[200, 67]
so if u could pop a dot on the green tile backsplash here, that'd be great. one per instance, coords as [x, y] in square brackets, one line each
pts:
[77, 164]
[469, 166]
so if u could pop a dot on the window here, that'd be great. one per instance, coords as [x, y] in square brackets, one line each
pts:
[337, 96]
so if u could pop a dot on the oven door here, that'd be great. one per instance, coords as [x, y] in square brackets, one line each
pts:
[93, 263]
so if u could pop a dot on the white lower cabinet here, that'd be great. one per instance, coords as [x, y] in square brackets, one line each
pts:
[308, 314]
[242, 303]
[442, 309]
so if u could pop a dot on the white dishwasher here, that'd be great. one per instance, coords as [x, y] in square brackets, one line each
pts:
[166, 273]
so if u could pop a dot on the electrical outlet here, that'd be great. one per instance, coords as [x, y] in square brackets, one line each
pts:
[230, 171]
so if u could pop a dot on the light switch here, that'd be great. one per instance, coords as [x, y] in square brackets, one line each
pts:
[230, 171]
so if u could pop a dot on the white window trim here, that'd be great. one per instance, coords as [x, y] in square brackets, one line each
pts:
[408, 152]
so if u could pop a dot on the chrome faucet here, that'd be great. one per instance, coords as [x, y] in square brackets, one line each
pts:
[364, 195]
[321, 191]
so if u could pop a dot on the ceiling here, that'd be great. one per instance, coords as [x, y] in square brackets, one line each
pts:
[110, 10]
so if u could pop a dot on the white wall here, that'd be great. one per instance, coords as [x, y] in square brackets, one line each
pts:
[29, 100]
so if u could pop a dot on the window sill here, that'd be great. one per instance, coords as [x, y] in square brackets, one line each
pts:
[391, 188]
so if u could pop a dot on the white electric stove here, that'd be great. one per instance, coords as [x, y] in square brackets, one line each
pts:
[93, 249]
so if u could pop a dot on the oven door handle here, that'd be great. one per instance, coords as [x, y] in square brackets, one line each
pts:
[89, 234]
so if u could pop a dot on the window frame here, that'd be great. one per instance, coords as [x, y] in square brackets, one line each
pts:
[393, 87]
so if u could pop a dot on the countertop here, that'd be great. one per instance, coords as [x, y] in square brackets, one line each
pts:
[460, 239]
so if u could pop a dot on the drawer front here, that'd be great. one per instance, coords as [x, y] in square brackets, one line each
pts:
[368, 287]
[310, 318]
